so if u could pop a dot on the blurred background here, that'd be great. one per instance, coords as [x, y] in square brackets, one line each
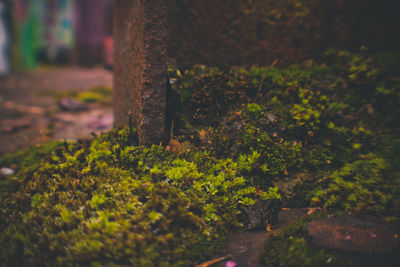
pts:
[55, 70]
[219, 33]
[56, 55]
[34, 32]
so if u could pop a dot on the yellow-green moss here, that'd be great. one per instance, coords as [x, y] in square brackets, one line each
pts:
[108, 201]
[111, 202]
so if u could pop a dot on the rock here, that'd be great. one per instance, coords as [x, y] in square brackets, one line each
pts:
[71, 125]
[14, 125]
[68, 104]
[271, 117]
[362, 234]
[261, 215]
[100, 122]
[6, 172]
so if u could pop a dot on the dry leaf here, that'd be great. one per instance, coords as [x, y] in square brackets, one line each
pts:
[209, 263]
[202, 134]
[313, 210]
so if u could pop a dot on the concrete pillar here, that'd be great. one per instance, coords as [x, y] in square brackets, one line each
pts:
[140, 67]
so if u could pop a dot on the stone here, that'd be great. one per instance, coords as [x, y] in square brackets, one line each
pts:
[68, 104]
[140, 71]
[14, 125]
[72, 125]
[6, 171]
[360, 234]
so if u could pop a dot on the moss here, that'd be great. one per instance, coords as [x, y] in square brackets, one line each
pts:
[96, 94]
[26, 162]
[309, 119]
[111, 202]
[363, 186]
[326, 134]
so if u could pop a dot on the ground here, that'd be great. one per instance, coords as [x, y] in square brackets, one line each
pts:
[29, 111]
[245, 247]
[252, 141]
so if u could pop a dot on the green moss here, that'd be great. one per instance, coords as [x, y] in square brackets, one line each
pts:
[309, 118]
[110, 202]
[26, 161]
[363, 186]
[96, 94]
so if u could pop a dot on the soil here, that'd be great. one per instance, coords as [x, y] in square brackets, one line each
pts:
[29, 113]
[245, 246]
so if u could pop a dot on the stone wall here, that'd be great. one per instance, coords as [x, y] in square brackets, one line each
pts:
[248, 32]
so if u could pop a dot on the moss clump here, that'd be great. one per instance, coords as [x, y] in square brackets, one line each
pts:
[28, 161]
[314, 119]
[366, 185]
[109, 202]
[96, 94]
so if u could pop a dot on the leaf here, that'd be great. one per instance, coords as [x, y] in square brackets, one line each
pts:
[209, 263]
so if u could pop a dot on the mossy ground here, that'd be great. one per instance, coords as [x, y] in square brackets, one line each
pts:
[329, 129]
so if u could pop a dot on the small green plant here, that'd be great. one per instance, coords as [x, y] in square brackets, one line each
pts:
[363, 186]
[111, 202]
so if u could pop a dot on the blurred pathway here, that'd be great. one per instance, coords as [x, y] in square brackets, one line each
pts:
[29, 113]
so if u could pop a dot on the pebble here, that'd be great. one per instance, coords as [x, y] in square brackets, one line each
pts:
[68, 104]
[6, 171]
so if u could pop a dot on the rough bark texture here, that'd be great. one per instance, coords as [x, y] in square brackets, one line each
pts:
[140, 67]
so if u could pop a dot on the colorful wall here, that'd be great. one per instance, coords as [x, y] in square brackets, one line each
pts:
[58, 31]
[5, 39]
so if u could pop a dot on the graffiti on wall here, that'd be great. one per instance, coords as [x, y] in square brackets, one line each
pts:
[43, 30]
[49, 30]
[4, 40]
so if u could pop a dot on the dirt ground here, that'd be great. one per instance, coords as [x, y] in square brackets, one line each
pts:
[245, 247]
[29, 112]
